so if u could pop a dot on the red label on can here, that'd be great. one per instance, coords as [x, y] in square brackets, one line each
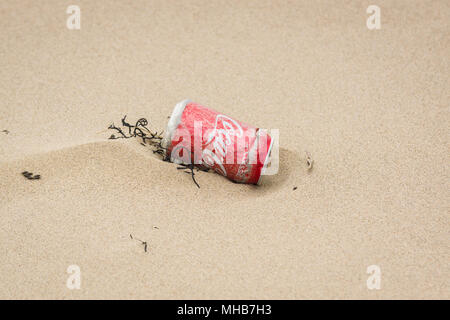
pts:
[213, 140]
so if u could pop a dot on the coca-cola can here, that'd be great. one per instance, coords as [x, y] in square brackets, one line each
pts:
[201, 136]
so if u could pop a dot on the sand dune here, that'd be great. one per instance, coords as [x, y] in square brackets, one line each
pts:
[93, 196]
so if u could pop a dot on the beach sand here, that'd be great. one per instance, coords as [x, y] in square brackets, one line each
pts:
[370, 106]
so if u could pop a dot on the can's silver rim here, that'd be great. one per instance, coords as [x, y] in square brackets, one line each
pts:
[266, 162]
[173, 123]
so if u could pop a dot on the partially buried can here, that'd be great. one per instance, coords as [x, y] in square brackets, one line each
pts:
[196, 134]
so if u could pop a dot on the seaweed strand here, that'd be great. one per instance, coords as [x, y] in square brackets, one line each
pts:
[140, 130]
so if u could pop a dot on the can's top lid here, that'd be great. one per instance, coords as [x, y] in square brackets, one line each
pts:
[173, 123]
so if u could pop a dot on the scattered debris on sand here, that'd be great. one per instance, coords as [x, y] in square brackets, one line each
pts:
[144, 243]
[309, 161]
[30, 176]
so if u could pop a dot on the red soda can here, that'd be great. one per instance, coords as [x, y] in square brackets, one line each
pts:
[199, 135]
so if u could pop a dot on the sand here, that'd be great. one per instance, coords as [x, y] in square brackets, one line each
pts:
[370, 106]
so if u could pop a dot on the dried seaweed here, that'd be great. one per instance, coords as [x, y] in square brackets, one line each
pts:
[141, 131]
[138, 130]
[144, 243]
[153, 139]
[189, 169]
